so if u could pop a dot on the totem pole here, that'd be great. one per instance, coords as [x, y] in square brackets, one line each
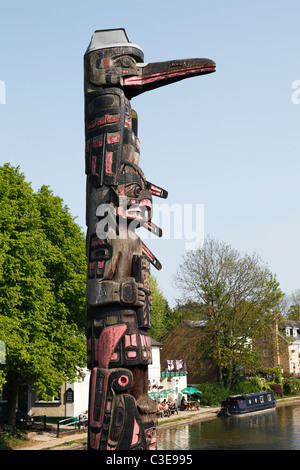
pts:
[119, 199]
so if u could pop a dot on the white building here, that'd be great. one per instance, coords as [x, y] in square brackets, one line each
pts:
[170, 375]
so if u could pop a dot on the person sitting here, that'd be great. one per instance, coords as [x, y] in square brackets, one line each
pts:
[183, 404]
[166, 408]
[160, 410]
[174, 406]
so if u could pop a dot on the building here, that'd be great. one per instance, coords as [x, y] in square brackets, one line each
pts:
[72, 400]
[289, 347]
[182, 342]
[169, 375]
[281, 346]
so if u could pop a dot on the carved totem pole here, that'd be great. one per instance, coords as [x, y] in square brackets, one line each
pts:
[119, 199]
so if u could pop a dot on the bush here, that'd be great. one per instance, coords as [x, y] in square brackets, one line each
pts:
[248, 386]
[291, 386]
[277, 389]
[214, 393]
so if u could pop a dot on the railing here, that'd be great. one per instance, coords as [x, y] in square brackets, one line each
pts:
[73, 421]
[173, 369]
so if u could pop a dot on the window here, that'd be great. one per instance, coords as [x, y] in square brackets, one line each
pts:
[269, 397]
[261, 399]
[55, 399]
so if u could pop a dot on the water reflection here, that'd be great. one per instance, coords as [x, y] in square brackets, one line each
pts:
[271, 430]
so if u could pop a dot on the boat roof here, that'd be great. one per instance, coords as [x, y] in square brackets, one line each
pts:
[248, 395]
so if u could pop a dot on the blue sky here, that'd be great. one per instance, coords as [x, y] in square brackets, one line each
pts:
[228, 142]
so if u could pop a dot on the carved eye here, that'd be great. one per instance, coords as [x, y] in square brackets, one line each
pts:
[133, 190]
[137, 190]
[127, 61]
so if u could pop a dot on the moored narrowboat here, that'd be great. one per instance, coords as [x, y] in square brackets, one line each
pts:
[247, 403]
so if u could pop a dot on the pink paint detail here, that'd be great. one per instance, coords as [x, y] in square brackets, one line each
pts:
[140, 80]
[127, 341]
[114, 357]
[135, 434]
[97, 143]
[109, 119]
[97, 122]
[142, 337]
[97, 242]
[145, 202]
[154, 189]
[94, 161]
[108, 163]
[147, 252]
[113, 139]
[107, 343]
[100, 264]
[123, 380]
[112, 118]
[95, 440]
[131, 354]
[108, 406]
[133, 340]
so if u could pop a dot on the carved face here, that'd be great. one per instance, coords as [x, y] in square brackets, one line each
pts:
[135, 200]
[110, 66]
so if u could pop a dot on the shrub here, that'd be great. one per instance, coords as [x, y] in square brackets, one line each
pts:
[214, 393]
[277, 389]
[291, 386]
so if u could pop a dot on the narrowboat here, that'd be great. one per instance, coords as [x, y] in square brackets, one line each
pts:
[237, 405]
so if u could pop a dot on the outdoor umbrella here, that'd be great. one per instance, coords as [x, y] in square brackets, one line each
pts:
[190, 390]
[161, 394]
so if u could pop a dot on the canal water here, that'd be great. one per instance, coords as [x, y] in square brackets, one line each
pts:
[277, 429]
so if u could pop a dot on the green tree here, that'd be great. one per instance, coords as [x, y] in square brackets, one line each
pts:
[239, 296]
[160, 310]
[42, 288]
[293, 312]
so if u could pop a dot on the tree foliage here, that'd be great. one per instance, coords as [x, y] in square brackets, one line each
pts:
[42, 287]
[237, 295]
[292, 305]
[160, 310]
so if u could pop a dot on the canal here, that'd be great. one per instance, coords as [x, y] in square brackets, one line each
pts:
[277, 429]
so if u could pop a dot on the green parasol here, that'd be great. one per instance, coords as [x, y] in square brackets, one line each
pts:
[190, 390]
